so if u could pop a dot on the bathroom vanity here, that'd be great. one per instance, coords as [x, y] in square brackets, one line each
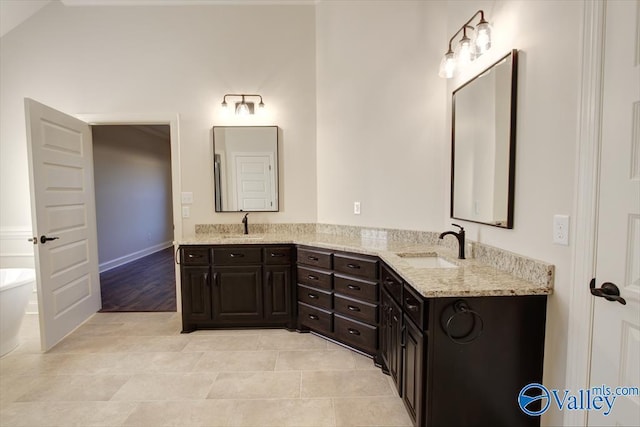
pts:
[459, 339]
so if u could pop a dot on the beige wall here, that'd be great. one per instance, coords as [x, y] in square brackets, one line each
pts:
[178, 60]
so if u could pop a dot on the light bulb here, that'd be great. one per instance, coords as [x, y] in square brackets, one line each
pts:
[465, 53]
[483, 38]
[447, 65]
[243, 110]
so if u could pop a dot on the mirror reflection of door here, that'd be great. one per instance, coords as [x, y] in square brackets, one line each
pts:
[245, 168]
[253, 184]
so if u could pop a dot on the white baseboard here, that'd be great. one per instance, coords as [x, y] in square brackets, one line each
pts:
[106, 266]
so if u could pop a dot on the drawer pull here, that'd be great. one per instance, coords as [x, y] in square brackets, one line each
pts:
[236, 255]
[313, 258]
[313, 296]
[354, 266]
[412, 307]
[194, 256]
[353, 287]
[277, 255]
[313, 317]
[353, 308]
[312, 277]
[353, 331]
[390, 282]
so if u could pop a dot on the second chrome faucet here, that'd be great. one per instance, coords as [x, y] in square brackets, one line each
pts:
[460, 236]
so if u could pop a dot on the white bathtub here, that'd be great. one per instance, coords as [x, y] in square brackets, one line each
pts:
[15, 286]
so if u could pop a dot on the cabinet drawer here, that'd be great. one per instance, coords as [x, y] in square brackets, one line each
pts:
[414, 306]
[315, 278]
[315, 297]
[356, 266]
[277, 255]
[392, 283]
[357, 334]
[314, 258]
[315, 318]
[237, 256]
[356, 309]
[194, 255]
[360, 289]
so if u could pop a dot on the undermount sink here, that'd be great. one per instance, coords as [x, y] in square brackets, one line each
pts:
[426, 261]
[243, 236]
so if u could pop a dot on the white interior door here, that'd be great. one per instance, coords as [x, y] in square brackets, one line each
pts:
[254, 182]
[615, 357]
[62, 208]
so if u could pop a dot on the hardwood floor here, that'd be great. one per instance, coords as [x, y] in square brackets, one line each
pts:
[147, 284]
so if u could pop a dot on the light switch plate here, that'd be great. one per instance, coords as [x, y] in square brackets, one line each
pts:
[187, 197]
[186, 212]
[356, 208]
[561, 229]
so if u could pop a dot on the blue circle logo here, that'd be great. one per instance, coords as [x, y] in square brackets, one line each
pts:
[531, 393]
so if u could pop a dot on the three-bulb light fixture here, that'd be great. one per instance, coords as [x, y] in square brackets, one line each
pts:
[467, 49]
[243, 107]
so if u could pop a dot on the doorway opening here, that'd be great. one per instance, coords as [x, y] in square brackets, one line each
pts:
[134, 213]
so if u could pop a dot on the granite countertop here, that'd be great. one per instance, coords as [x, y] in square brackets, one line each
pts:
[472, 277]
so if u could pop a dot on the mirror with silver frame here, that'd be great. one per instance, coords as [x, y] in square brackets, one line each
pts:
[483, 145]
[245, 166]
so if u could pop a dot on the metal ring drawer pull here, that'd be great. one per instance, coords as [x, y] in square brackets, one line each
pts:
[313, 296]
[313, 317]
[461, 308]
[353, 308]
[353, 331]
[236, 255]
[353, 287]
[312, 277]
[354, 266]
[313, 258]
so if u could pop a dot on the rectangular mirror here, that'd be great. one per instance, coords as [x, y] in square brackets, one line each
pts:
[245, 168]
[483, 144]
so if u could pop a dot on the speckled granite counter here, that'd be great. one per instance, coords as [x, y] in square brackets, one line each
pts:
[493, 273]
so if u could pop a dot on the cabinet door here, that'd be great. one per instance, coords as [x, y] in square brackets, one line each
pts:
[395, 344]
[237, 295]
[196, 296]
[277, 293]
[413, 371]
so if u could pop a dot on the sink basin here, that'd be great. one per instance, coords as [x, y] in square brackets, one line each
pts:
[242, 236]
[426, 261]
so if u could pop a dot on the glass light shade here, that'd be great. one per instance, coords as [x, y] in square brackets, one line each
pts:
[243, 109]
[465, 52]
[447, 65]
[483, 38]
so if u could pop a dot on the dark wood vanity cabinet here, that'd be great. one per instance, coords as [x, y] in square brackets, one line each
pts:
[236, 286]
[461, 361]
[338, 297]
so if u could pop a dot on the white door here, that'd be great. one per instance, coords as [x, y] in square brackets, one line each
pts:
[62, 208]
[254, 182]
[615, 358]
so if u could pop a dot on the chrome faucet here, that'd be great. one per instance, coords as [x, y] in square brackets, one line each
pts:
[460, 236]
[245, 221]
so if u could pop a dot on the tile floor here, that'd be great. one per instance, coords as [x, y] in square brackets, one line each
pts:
[136, 369]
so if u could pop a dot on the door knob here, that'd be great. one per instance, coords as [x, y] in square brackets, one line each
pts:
[608, 291]
[44, 239]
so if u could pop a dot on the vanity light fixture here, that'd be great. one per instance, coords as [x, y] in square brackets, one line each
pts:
[243, 107]
[467, 49]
